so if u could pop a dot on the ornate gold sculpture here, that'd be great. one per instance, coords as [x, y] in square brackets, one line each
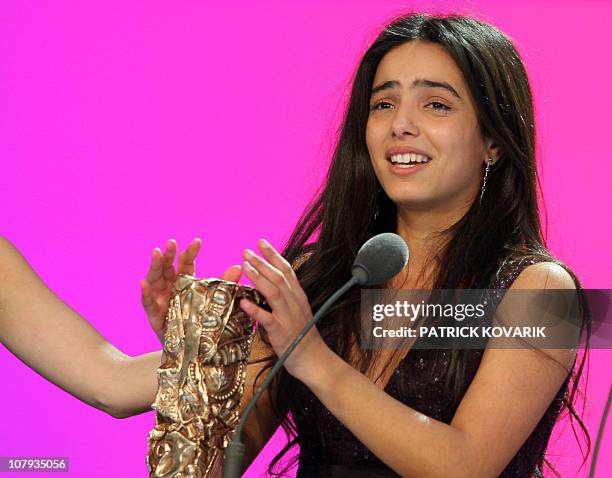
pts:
[207, 344]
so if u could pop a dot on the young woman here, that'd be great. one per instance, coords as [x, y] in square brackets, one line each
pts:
[449, 94]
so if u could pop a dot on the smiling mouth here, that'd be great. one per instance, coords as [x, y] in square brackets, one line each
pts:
[408, 160]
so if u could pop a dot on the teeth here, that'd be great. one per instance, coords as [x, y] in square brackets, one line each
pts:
[409, 158]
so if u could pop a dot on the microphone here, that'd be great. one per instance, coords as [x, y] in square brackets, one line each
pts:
[378, 260]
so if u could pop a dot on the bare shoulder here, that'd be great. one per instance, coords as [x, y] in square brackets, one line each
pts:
[544, 275]
[548, 275]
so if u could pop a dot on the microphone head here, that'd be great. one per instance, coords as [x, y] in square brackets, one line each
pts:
[380, 258]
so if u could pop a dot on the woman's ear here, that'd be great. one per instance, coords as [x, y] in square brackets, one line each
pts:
[493, 151]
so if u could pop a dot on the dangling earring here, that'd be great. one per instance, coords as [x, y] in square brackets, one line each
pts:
[484, 180]
[377, 209]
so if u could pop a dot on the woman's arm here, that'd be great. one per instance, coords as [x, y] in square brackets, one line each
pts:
[262, 422]
[508, 396]
[56, 342]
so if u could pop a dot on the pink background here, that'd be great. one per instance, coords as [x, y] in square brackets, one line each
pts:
[125, 123]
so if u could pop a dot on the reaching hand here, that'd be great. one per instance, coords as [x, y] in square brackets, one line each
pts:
[275, 279]
[157, 286]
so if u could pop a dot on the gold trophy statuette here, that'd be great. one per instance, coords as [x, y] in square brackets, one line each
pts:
[207, 344]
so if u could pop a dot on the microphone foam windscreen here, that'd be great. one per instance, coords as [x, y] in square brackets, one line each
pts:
[382, 257]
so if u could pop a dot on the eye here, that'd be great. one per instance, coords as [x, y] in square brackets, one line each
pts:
[376, 106]
[440, 106]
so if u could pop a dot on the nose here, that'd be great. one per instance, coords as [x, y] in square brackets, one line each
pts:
[403, 124]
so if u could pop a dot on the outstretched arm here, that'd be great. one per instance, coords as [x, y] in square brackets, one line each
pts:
[56, 342]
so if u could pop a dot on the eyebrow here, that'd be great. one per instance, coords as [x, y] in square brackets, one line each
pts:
[418, 83]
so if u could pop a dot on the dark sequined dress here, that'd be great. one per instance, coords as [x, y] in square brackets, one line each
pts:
[328, 449]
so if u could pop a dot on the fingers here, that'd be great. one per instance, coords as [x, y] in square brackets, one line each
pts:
[186, 261]
[273, 256]
[155, 273]
[168, 261]
[269, 272]
[280, 269]
[150, 305]
[161, 271]
[280, 297]
[233, 273]
[257, 313]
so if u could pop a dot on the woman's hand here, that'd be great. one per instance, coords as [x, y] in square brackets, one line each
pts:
[157, 286]
[276, 281]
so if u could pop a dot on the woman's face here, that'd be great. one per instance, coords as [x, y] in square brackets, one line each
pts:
[421, 102]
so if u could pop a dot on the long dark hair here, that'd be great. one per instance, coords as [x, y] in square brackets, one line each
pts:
[342, 214]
